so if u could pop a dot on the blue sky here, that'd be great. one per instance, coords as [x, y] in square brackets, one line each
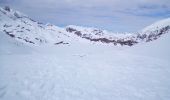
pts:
[113, 15]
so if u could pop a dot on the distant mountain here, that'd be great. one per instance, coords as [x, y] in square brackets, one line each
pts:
[80, 63]
[27, 30]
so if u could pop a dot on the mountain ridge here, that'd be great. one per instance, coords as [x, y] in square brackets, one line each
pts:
[45, 62]
[25, 29]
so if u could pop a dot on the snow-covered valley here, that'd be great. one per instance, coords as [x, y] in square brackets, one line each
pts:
[82, 69]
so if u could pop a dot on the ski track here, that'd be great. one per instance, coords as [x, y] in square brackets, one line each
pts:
[94, 76]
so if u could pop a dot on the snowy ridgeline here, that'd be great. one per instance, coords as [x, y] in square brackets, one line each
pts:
[79, 69]
[27, 30]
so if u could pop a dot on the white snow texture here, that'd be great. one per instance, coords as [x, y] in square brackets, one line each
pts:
[82, 69]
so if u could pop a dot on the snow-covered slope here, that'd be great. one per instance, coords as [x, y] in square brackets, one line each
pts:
[88, 71]
[159, 48]
[25, 29]
[10, 46]
[103, 36]
[156, 30]
[157, 25]
[82, 70]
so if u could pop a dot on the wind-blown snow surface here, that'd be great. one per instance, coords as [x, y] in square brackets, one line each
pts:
[10, 46]
[84, 71]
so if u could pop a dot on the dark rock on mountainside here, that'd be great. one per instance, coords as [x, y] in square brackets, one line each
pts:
[7, 8]
[22, 27]
[9, 33]
[153, 35]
